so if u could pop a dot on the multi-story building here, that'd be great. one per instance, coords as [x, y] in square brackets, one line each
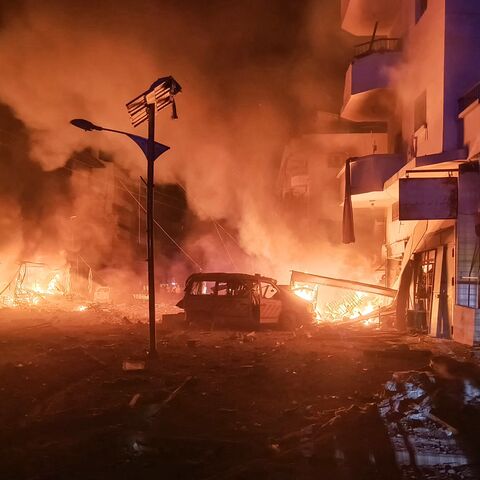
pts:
[107, 229]
[308, 178]
[102, 228]
[418, 73]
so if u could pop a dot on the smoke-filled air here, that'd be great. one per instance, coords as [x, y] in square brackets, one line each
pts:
[253, 74]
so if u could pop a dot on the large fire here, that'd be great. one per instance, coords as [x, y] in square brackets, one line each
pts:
[42, 285]
[338, 307]
[36, 284]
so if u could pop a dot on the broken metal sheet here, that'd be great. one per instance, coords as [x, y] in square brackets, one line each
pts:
[342, 283]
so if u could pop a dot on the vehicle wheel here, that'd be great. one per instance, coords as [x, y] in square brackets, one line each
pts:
[288, 321]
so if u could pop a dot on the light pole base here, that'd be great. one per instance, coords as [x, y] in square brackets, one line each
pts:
[152, 355]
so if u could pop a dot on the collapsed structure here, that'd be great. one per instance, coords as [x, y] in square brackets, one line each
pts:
[412, 95]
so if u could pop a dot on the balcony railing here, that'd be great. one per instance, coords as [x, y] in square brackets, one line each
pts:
[379, 45]
[469, 98]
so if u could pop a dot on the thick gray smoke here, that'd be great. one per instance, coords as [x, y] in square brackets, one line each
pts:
[252, 72]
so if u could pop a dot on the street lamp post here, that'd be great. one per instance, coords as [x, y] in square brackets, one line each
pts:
[150, 232]
[144, 107]
[160, 94]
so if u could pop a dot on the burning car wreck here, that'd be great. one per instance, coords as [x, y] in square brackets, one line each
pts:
[241, 300]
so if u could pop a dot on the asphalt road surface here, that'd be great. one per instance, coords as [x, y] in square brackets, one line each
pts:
[216, 405]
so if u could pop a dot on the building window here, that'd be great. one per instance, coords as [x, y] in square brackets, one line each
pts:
[420, 7]
[420, 113]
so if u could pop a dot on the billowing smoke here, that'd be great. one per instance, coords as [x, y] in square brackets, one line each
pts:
[252, 75]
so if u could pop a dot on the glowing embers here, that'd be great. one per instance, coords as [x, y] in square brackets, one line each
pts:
[35, 284]
[354, 305]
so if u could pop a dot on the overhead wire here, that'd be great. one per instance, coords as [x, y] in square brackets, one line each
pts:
[227, 251]
[218, 226]
[187, 255]
[158, 202]
[125, 188]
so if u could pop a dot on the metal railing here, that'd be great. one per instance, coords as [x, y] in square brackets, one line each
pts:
[378, 45]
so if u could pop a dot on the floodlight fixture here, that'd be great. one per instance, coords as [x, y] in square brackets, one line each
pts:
[161, 94]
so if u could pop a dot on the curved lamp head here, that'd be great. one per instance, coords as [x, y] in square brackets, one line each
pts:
[84, 124]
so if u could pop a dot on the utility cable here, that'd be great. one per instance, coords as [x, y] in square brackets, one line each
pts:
[187, 255]
[224, 245]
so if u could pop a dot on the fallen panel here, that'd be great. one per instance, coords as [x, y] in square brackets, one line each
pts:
[342, 283]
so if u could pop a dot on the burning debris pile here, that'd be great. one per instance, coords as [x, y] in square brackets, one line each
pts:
[36, 283]
[343, 307]
[336, 300]
[352, 306]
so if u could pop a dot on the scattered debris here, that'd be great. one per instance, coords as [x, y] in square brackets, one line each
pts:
[412, 412]
[398, 351]
[249, 337]
[133, 365]
[174, 321]
[275, 447]
[235, 424]
[443, 423]
[158, 407]
[134, 400]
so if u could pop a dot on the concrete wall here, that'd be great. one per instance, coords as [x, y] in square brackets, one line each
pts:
[313, 152]
[367, 95]
[423, 70]
[372, 71]
[441, 56]
[471, 130]
[464, 325]
[462, 63]
[359, 16]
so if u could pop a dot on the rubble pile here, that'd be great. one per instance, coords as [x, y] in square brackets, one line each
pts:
[415, 411]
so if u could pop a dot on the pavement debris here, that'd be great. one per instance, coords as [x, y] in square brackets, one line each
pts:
[398, 351]
[133, 401]
[425, 431]
[133, 365]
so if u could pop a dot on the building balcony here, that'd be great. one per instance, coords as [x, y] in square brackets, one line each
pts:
[368, 175]
[359, 16]
[367, 95]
